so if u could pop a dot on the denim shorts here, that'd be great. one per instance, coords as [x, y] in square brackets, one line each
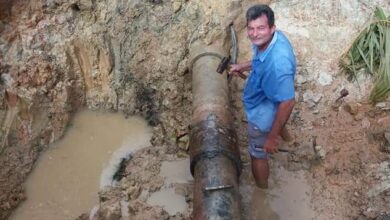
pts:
[256, 139]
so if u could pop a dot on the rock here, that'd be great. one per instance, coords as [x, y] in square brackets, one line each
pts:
[133, 191]
[359, 116]
[387, 137]
[300, 79]
[83, 217]
[176, 5]
[7, 79]
[370, 213]
[183, 142]
[366, 123]
[381, 105]
[384, 168]
[383, 217]
[156, 1]
[379, 189]
[325, 79]
[384, 121]
[302, 157]
[351, 108]
[320, 151]
[311, 98]
[336, 105]
[85, 4]
[110, 210]
[181, 154]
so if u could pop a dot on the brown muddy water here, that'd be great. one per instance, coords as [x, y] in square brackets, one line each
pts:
[288, 197]
[68, 175]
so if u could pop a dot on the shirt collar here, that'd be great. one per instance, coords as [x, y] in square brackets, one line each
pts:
[261, 55]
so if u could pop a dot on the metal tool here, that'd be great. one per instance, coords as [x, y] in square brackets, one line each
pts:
[226, 61]
[220, 187]
[283, 150]
[343, 93]
[224, 64]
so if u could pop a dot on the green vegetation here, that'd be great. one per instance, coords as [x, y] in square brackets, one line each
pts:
[370, 54]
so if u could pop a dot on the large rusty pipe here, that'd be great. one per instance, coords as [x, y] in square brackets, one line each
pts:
[215, 157]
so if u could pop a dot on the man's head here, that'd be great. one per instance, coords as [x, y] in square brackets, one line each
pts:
[260, 25]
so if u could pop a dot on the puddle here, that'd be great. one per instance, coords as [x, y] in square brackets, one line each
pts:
[288, 197]
[66, 179]
[174, 172]
[169, 200]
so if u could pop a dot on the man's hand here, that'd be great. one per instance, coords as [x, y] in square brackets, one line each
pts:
[271, 145]
[239, 68]
[235, 69]
[282, 115]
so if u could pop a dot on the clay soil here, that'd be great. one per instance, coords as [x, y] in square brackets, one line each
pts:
[133, 58]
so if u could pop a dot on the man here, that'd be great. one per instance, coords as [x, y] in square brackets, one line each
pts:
[269, 92]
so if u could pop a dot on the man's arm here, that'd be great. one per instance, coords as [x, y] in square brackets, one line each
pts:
[240, 67]
[283, 113]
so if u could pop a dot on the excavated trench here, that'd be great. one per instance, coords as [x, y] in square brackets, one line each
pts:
[132, 57]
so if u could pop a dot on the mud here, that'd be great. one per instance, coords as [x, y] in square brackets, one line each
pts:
[132, 56]
[67, 177]
[289, 196]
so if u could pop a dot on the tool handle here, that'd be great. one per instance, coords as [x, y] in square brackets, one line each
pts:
[283, 150]
[223, 65]
[241, 75]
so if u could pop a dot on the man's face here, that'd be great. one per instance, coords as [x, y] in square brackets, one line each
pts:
[259, 32]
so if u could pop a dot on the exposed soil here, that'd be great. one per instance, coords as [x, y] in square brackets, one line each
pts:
[132, 56]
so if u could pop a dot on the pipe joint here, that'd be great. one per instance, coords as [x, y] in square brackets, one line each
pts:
[209, 140]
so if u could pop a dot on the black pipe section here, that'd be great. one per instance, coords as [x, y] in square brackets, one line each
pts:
[215, 157]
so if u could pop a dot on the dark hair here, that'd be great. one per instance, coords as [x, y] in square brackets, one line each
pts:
[257, 11]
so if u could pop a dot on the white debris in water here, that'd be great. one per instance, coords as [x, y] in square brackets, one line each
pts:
[124, 152]
[124, 208]
[93, 212]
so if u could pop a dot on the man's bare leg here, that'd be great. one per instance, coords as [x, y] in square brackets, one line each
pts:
[286, 136]
[260, 170]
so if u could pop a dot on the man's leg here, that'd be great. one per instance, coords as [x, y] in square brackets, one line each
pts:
[260, 170]
[259, 157]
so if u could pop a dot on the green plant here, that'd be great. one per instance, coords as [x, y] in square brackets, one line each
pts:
[370, 54]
